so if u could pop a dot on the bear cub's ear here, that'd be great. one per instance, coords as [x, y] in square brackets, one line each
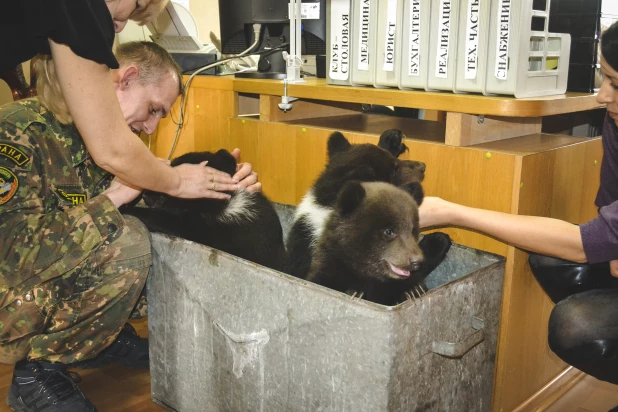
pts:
[392, 141]
[415, 190]
[337, 143]
[350, 197]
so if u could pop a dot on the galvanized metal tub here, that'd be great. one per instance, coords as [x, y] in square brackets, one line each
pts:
[229, 335]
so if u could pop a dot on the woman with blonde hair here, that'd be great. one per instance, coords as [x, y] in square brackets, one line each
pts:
[75, 84]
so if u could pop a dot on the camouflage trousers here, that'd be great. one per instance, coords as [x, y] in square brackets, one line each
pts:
[75, 316]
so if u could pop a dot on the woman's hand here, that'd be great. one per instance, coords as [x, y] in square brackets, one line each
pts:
[199, 181]
[434, 211]
[613, 268]
[245, 174]
[120, 193]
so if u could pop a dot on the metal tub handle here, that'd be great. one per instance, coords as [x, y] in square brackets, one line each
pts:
[459, 349]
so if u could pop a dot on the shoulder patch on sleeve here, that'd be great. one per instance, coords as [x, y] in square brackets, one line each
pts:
[15, 153]
[8, 185]
[73, 198]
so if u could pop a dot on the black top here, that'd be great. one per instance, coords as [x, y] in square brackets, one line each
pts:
[84, 25]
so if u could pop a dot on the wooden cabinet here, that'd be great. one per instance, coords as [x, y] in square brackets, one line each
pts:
[488, 153]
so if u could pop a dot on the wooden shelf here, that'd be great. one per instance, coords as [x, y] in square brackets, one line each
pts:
[449, 102]
[373, 124]
[532, 144]
[429, 131]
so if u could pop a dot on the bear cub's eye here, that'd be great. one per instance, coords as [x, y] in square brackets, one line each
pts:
[389, 233]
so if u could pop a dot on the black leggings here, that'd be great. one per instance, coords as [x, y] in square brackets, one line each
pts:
[583, 327]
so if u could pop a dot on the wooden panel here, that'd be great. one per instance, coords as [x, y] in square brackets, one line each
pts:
[206, 123]
[525, 307]
[435, 115]
[288, 160]
[248, 104]
[212, 82]
[525, 363]
[576, 182]
[555, 389]
[243, 135]
[450, 102]
[465, 130]
[303, 109]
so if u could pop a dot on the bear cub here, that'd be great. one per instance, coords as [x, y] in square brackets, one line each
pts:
[246, 225]
[346, 162]
[369, 247]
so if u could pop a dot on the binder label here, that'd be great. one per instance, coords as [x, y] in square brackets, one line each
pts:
[340, 39]
[310, 11]
[502, 46]
[389, 46]
[363, 44]
[415, 38]
[472, 39]
[444, 34]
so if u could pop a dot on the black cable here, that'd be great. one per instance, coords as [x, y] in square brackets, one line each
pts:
[267, 51]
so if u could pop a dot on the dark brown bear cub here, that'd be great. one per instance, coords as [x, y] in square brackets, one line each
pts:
[369, 246]
[346, 162]
[246, 225]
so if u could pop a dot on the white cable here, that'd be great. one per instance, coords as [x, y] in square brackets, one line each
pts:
[256, 31]
[248, 69]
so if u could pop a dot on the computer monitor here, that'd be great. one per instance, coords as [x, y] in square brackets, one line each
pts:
[236, 18]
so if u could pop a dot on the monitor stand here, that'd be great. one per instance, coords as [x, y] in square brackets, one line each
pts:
[270, 66]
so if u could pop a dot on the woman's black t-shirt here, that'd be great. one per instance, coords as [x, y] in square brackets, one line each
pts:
[86, 26]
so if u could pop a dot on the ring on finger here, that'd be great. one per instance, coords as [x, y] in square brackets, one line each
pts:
[214, 186]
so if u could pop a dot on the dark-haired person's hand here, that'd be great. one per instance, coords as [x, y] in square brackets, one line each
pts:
[434, 211]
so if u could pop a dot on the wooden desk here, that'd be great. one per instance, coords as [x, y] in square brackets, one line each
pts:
[489, 153]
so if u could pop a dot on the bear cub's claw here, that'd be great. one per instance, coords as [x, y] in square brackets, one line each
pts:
[417, 292]
[355, 294]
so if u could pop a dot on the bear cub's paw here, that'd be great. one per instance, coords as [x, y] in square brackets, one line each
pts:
[435, 245]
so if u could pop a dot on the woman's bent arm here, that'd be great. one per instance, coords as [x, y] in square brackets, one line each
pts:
[88, 90]
[536, 234]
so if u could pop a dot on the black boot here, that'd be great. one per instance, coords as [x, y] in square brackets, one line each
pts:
[128, 349]
[46, 387]
[561, 278]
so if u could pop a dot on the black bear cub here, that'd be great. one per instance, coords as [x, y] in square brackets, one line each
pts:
[369, 247]
[346, 162]
[246, 225]
[362, 238]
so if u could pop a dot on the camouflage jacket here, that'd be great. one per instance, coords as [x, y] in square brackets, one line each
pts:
[51, 214]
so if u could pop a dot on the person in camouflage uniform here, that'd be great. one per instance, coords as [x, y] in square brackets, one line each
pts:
[72, 268]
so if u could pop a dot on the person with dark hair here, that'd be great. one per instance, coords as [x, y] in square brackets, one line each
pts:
[577, 266]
